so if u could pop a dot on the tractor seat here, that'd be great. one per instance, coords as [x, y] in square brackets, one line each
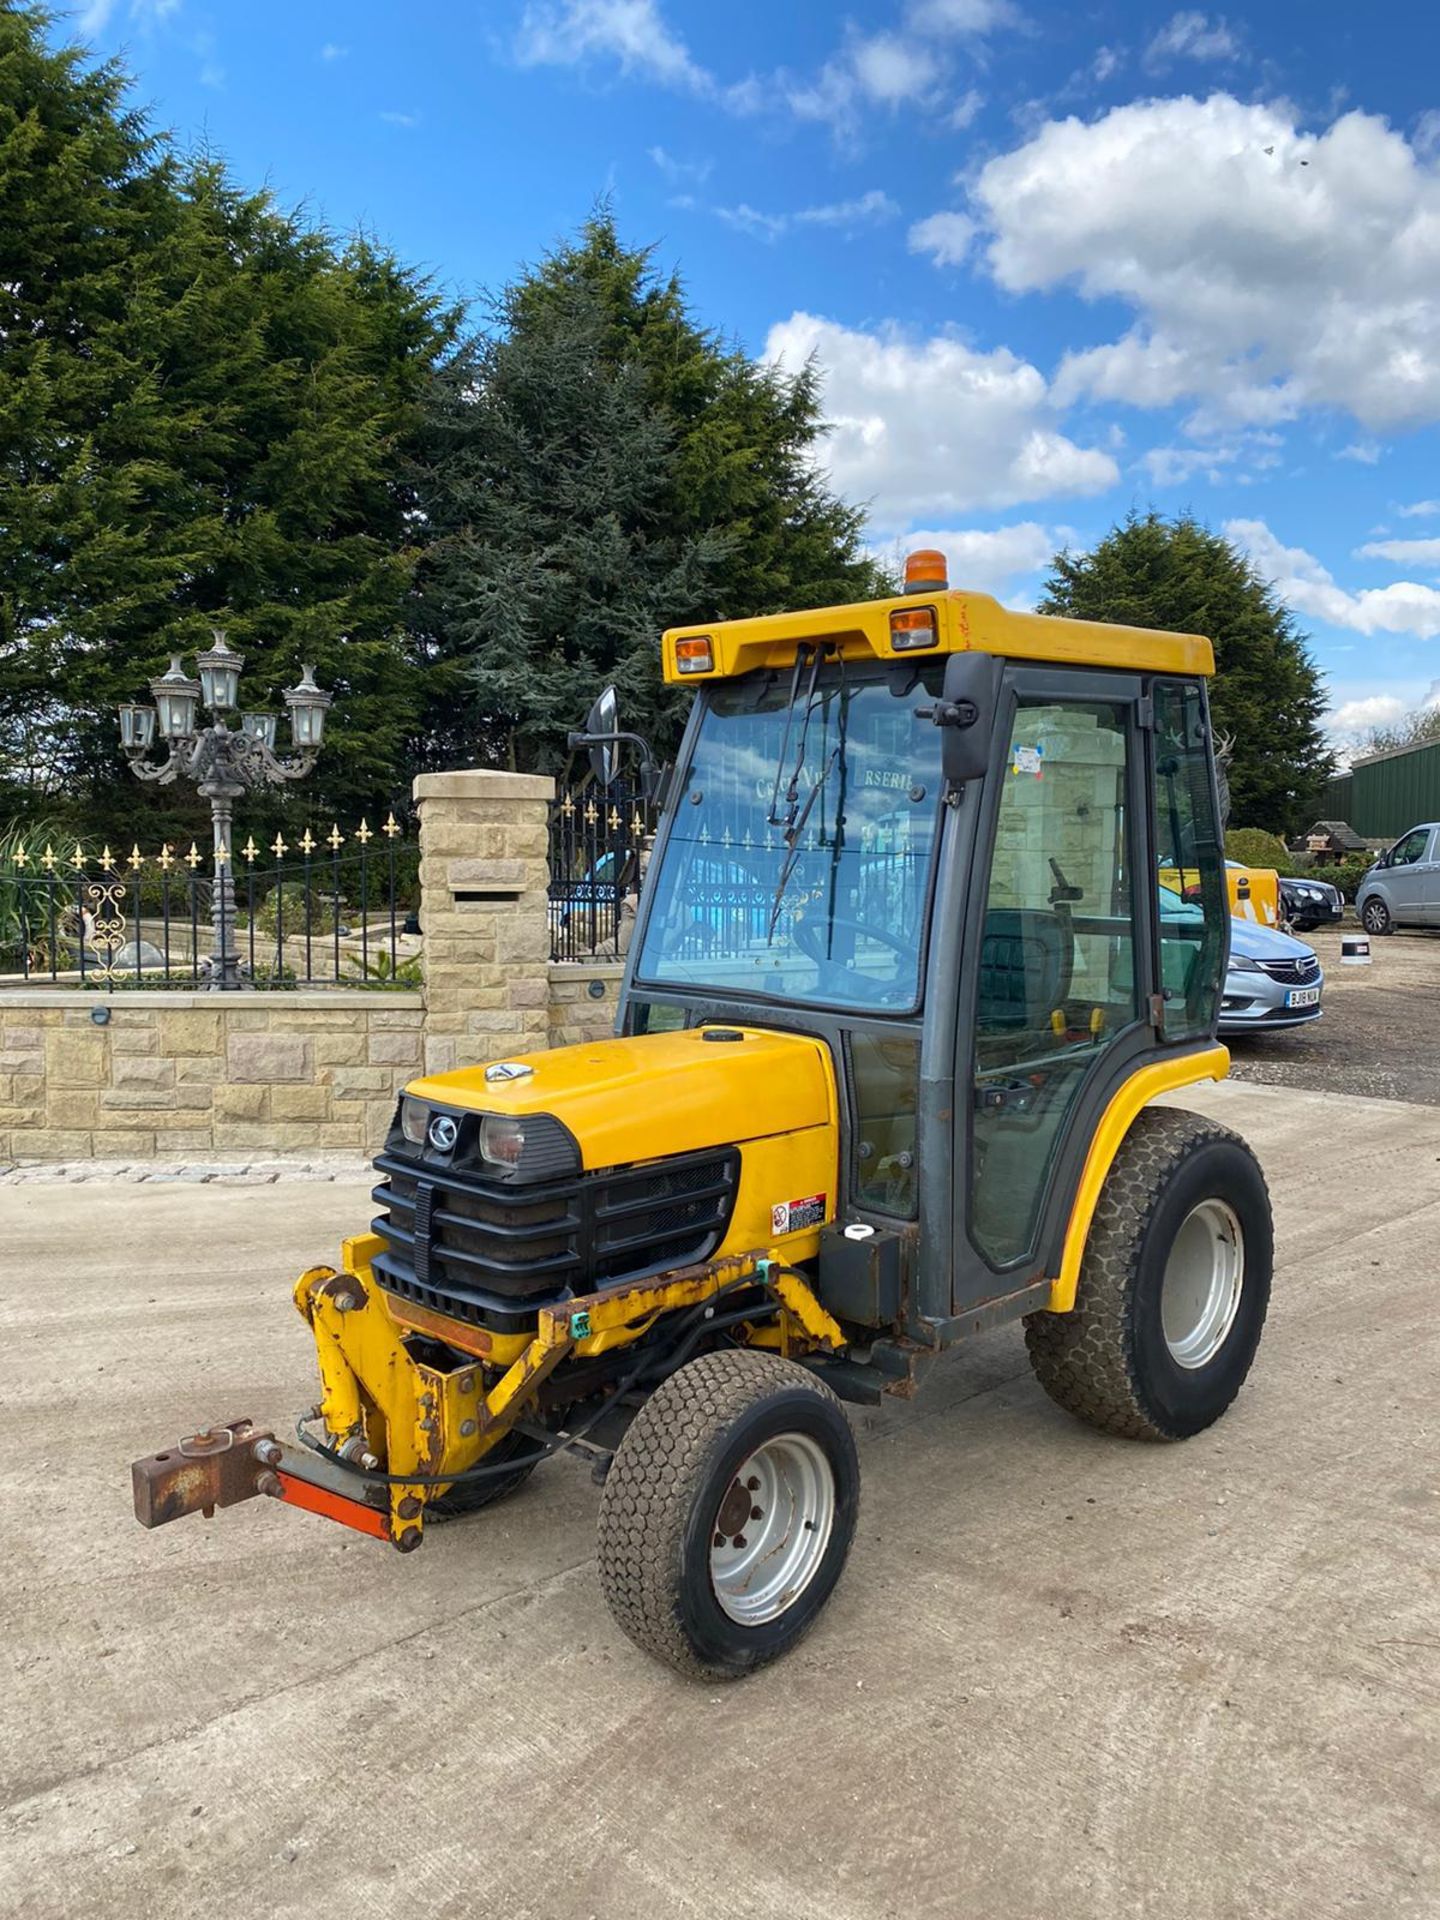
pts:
[1026, 960]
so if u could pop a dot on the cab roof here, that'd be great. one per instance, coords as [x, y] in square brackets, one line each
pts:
[964, 622]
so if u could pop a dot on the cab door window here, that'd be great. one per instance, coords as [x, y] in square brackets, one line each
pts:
[1057, 974]
[1194, 902]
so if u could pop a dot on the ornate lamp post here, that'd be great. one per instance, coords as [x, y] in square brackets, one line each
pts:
[223, 761]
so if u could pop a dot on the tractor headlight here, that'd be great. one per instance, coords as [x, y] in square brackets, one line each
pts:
[414, 1118]
[502, 1140]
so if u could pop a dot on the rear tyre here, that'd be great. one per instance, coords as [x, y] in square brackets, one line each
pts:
[1375, 917]
[1173, 1288]
[728, 1513]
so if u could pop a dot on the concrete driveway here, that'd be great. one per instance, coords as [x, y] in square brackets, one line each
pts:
[1063, 1676]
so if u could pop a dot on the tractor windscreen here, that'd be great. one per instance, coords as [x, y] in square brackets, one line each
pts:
[798, 861]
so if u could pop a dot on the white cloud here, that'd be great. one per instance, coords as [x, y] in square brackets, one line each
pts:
[1104, 65]
[924, 429]
[1310, 589]
[1365, 452]
[1405, 553]
[1270, 270]
[961, 17]
[393, 119]
[681, 172]
[989, 561]
[966, 109]
[881, 69]
[866, 210]
[1191, 36]
[567, 33]
[148, 13]
[945, 237]
[1420, 510]
[333, 51]
[1355, 717]
[1235, 460]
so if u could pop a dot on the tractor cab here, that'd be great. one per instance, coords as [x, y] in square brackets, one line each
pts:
[932, 834]
[909, 968]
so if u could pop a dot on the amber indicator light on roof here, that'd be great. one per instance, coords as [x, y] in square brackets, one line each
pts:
[926, 571]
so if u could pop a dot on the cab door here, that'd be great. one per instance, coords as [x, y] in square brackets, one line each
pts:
[1061, 962]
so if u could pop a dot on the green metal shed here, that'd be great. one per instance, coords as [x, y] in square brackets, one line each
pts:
[1387, 792]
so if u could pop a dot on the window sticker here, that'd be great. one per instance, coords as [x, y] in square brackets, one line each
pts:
[1028, 760]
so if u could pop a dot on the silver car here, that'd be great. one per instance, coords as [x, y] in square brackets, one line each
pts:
[1402, 889]
[1274, 981]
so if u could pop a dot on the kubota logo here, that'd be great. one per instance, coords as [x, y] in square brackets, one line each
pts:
[444, 1132]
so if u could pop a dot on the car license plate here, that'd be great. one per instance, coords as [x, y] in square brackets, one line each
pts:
[1302, 996]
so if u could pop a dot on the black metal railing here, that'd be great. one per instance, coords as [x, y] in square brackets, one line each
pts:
[598, 844]
[337, 911]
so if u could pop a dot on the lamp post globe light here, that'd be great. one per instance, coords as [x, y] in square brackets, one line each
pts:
[223, 761]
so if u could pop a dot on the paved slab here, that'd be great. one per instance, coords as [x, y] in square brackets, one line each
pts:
[1063, 1675]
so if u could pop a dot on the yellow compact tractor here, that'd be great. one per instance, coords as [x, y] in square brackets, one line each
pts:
[904, 983]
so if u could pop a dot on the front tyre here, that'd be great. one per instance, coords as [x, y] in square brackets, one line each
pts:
[728, 1513]
[1174, 1285]
[1375, 916]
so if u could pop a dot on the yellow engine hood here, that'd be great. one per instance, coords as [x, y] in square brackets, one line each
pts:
[658, 1093]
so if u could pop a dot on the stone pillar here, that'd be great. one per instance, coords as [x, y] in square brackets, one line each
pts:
[484, 875]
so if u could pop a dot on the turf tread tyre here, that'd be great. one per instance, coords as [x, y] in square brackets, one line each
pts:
[1086, 1360]
[660, 1470]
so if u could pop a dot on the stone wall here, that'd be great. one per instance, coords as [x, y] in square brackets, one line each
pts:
[577, 1012]
[201, 1075]
[136, 1075]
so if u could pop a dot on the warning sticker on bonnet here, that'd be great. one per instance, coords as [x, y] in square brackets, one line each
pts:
[790, 1216]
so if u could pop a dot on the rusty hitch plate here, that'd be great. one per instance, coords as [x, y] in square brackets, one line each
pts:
[213, 1469]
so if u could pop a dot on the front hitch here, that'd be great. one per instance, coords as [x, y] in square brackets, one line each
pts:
[239, 1461]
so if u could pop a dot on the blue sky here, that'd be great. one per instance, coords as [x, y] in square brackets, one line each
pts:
[1055, 262]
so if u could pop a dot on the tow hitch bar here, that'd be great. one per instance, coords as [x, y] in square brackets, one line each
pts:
[227, 1464]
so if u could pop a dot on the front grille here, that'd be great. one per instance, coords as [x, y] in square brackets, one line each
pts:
[492, 1254]
[1292, 973]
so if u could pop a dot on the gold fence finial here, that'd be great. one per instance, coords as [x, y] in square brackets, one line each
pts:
[391, 826]
[278, 846]
[192, 858]
[335, 837]
[137, 859]
[250, 851]
[20, 856]
[307, 843]
[165, 860]
[363, 833]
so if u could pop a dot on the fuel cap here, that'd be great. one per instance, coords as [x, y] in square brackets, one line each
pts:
[721, 1033]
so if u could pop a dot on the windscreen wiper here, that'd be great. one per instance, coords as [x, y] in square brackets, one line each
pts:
[774, 818]
[792, 825]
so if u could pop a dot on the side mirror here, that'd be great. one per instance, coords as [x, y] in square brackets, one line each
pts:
[604, 719]
[966, 713]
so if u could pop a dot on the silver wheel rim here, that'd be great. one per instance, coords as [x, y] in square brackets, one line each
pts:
[1374, 917]
[771, 1529]
[1204, 1279]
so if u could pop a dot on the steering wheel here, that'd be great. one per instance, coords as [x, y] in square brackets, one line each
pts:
[808, 935]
